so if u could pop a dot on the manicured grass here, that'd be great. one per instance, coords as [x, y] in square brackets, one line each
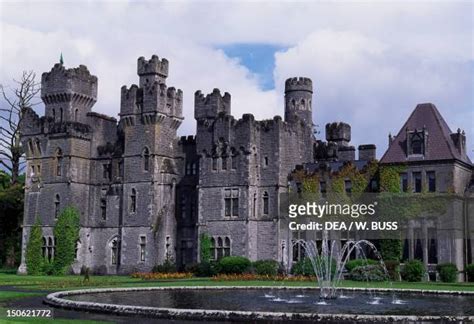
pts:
[54, 283]
[10, 295]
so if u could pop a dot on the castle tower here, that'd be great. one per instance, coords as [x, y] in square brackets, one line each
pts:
[152, 70]
[298, 100]
[68, 94]
[150, 115]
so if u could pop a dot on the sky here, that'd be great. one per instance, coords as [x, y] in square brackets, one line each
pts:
[371, 62]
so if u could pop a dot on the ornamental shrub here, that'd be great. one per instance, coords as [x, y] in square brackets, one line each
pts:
[66, 233]
[234, 264]
[447, 272]
[413, 271]
[470, 272]
[304, 267]
[204, 269]
[373, 272]
[34, 257]
[266, 267]
[166, 267]
[352, 264]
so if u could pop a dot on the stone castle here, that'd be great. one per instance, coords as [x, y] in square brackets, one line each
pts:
[146, 195]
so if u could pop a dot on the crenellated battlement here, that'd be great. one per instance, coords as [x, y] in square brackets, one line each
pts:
[211, 105]
[338, 132]
[299, 84]
[187, 140]
[152, 66]
[68, 81]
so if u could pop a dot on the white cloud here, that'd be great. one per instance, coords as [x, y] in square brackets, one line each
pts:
[370, 63]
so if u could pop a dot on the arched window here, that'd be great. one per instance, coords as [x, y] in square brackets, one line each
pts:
[133, 201]
[54, 115]
[38, 146]
[57, 202]
[76, 115]
[265, 203]
[303, 106]
[50, 248]
[146, 159]
[213, 248]
[60, 115]
[44, 250]
[227, 246]
[114, 251]
[59, 161]
[30, 147]
[220, 245]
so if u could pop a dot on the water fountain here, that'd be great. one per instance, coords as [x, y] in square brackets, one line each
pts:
[326, 257]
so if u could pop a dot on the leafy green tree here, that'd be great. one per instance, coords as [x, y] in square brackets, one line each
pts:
[66, 233]
[34, 258]
[11, 215]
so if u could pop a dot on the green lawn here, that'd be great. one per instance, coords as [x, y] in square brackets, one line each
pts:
[53, 283]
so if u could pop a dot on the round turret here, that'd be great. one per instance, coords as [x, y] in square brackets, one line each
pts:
[298, 100]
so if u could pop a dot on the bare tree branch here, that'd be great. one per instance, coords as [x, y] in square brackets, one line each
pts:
[21, 97]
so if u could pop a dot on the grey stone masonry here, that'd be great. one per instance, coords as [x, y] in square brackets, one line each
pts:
[145, 195]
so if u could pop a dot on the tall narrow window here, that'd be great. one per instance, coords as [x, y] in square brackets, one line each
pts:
[59, 162]
[234, 161]
[76, 115]
[107, 171]
[254, 205]
[167, 247]
[133, 201]
[50, 248]
[227, 246]
[224, 163]
[404, 182]
[44, 249]
[142, 248]
[417, 181]
[60, 115]
[57, 203]
[220, 246]
[114, 251]
[231, 202]
[103, 208]
[194, 168]
[214, 163]
[265, 161]
[146, 159]
[431, 177]
[54, 115]
[265, 203]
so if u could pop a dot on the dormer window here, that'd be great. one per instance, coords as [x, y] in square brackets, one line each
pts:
[416, 142]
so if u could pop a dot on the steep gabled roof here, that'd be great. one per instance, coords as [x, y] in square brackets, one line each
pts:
[440, 145]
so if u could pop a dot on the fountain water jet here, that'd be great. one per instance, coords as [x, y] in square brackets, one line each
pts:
[323, 260]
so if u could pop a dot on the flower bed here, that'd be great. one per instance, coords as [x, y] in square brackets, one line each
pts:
[253, 277]
[156, 276]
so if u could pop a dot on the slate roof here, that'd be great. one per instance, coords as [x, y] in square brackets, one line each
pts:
[440, 145]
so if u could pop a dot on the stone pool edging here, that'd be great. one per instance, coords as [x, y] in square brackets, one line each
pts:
[56, 300]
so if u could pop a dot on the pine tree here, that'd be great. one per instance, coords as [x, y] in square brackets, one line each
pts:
[66, 233]
[34, 258]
